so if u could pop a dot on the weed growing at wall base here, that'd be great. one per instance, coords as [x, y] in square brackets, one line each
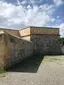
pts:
[2, 71]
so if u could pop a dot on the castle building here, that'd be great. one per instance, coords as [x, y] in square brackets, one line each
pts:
[16, 45]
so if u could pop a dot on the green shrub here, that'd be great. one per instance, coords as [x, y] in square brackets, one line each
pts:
[62, 40]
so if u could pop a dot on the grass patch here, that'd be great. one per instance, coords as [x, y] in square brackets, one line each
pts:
[54, 58]
[2, 72]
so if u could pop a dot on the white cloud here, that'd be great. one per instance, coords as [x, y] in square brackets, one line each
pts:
[58, 2]
[18, 2]
[61, 29]
[18, 16]
[61, 26]
[33, 2]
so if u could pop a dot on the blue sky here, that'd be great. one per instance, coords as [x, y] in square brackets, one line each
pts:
[22, 13]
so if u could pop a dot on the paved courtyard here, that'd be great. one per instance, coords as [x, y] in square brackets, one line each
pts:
[36, 71]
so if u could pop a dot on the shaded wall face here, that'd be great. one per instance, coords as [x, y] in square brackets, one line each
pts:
[46, 44]
[18, 49]
[3, 51]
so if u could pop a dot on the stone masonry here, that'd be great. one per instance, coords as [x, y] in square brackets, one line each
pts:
[16, 45]
[45, 40]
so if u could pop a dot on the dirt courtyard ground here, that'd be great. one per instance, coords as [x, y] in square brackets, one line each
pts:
[37, 70]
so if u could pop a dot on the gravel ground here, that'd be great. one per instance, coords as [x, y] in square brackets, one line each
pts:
[43, 73]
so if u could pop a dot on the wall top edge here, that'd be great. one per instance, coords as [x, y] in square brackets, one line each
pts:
[28, 27]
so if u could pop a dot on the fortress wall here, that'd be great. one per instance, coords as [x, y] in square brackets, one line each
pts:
[18, 49]
[13, 32]
[46, 44]
[10, 31]
[45, 40]
[3, 52]
[36, 40]
[26, 38]
[24, 32]
[44, 30]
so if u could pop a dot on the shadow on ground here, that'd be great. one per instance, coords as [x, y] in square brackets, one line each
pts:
[30, 65]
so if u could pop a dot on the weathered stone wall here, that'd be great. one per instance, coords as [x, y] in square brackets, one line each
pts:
[24, 32]
[10, 31]
[26, 38]
[46, 44]
[18, 49]
[38, 30]
[44, 30]
[17, 45]
[3, 51]
[45, 40]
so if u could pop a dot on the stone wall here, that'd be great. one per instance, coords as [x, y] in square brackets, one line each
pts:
[15, 47]
[26, 38]
[18, 49]
[25, 31]
[38, 30]
[46, 44]
[10, 31]
[3, 51]
[45, 39]
[44, 30]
